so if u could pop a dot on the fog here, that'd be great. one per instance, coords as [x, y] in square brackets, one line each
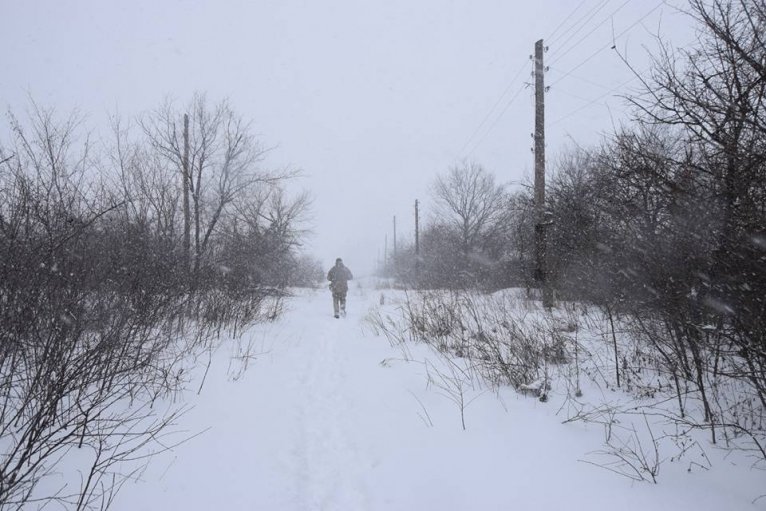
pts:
[370, 100]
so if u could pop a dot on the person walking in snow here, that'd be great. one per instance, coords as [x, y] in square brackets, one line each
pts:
[339, 276]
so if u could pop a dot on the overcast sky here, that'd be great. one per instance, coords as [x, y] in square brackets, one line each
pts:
[371, 99]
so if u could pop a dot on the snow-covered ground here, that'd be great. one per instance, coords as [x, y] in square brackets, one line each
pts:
[328, 416]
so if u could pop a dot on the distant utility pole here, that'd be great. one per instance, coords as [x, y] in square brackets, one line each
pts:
[394, 239]
[417, 229]
[541, 217]
[417, 245]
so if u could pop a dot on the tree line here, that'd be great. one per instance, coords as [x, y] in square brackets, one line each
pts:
[662, 225]
[121, 257]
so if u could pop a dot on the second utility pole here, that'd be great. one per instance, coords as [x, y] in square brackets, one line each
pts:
[417, 245]
[417, 229]
[541, 220]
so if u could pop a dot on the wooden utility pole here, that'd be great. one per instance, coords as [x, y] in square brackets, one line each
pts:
[417, 245]
[417, 230]
[185, 183]
[541, 218]
[394, 239]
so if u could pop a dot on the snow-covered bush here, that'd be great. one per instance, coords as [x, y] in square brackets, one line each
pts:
[506, 344]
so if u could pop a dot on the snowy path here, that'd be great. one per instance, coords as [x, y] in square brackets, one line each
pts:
[317, 422]
[326, 450]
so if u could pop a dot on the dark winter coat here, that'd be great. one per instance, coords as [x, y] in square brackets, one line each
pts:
[339, 276]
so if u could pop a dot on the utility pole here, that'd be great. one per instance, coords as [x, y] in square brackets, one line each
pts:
[417, 230]
[541, 217]
[394, 239]
[185, 183]
[417, 245]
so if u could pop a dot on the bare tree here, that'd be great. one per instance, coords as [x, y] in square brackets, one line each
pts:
[468, 199]
[97, 324]
[145, 180]
[259, 241]
[715, 93]
[79, 363]
[217, 157]
[669, 218]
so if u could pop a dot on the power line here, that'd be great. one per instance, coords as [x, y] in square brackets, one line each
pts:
[582, 78]
[599, 98]
[610, 44]
[578, 26]
[492, 110]
[583, 20]
[575, 45]
[583, 26]
[497, 119]
[566, 18]
[516, 75]
[571, 95]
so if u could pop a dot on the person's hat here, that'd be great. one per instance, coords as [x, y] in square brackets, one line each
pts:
[339, 260]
